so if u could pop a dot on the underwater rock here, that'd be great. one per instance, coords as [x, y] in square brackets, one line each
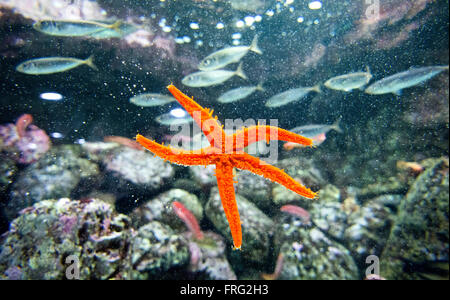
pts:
[255, 188]
[308, 254]
[160, 209]
[419, 239]
[282, 196]
[367, 230]
[109, 198]
[129, 171]
[8, 170]
[304, 172]
[390, 201]
[204, 176]
[99, 151]
[155, 249]
[393, 185]
[257, 228]
[187, 185]
[330, 194]
[46, 239]
[327, 213]
[207, 258]
[56, 175]
[330, 218]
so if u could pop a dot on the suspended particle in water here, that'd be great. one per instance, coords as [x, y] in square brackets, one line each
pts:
[240, 24]
[51, 96]
[313, 5]
[249, 20]
[236, 36]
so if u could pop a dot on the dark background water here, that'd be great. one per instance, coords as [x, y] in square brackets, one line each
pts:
[96, 103]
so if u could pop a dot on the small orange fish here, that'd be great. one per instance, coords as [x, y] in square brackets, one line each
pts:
[123, 141]
[315, 132]
[317, 140]
[412, 167]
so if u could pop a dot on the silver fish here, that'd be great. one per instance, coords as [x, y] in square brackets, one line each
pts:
[210, 78]
[257, 149]
[169, 119]
[199, 141]
[349, 81]
[395, 83]
[249, 5]
[123, 30]
[73, 28]
[50, 65]
[239, 93]
[221, 58]
[313, 130]
[316, 132]
[291, 96]
[151, 99]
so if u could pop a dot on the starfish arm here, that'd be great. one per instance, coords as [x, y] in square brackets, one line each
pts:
[243, 138]
[224, 174]
[178, 156]
[257, 166]
[202, 116]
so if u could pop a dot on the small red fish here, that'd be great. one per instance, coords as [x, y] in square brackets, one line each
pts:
[317, 140]
[297, 211]
[188, 218]
[123, 141]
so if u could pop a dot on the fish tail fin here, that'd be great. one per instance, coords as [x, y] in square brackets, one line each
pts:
[316, 88]
[90, 62]
[239, 72]
[288, 146]
[254, 45]
[37, 25]
[116, 26]
[336, 126]
[260, 87]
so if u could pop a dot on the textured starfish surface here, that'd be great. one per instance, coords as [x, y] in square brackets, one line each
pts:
[226, 152]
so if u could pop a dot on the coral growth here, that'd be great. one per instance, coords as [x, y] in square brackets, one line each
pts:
[23, 141]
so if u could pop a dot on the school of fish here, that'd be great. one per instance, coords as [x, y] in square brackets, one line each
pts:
[212, 73]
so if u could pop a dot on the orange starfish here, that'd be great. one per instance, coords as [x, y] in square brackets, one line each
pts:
[226, 152]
